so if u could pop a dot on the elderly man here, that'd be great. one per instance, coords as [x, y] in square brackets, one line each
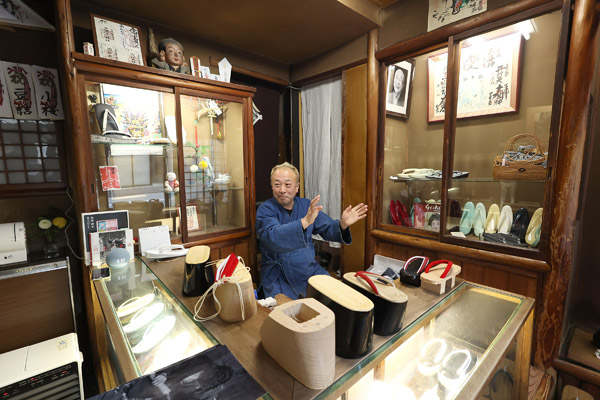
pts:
[285, 225]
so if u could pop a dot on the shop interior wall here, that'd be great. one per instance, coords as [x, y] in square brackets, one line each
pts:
[194, 46]
[415, 143]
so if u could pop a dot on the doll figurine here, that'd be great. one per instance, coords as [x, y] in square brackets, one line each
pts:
[171, 184]
[170, 57]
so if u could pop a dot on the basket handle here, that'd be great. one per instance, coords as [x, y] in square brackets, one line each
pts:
[510, 143]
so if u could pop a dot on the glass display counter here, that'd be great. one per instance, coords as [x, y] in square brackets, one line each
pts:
[147, 321]
[467, 343]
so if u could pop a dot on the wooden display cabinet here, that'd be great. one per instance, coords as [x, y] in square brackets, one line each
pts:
[176, 122]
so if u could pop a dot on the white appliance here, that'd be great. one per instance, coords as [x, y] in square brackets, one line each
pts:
[47, 370]
[13, 245]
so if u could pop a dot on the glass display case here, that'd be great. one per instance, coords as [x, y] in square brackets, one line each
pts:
[472, 344]
[146, 321]
[473, 160]
[134, 146]
[214, 176]
[156, 149]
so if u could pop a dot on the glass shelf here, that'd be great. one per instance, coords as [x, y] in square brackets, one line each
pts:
[464, 180]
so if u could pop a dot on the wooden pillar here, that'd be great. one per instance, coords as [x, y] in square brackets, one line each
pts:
[567, 184]
[372, 127]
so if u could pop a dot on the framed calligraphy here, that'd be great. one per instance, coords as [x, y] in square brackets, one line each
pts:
[117, 41]
[488, 79]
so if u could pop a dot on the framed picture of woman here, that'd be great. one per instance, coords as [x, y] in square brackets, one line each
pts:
[399, 88]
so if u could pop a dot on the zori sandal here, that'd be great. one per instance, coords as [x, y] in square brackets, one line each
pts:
[412, 269]
[466, 221]
[479, 219]
[506, 219]
[455, 368]
[534, 229]
[390, 303]
[493, 218]
[439, 276]
[431, 356]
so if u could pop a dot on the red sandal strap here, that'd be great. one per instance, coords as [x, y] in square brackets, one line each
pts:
[364, 275]
[446, 270]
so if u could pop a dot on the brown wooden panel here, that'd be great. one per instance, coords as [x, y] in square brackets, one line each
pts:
[354, 159]
[524, 285]
[472, 272]
[34, 308]
[495, 278]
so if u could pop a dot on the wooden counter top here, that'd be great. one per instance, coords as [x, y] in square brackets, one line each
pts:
[243, 338]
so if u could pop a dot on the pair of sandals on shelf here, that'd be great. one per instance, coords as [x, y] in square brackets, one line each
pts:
[399, 214]
[501, 226]
[436, 276]
[452, 365]
[428, 173]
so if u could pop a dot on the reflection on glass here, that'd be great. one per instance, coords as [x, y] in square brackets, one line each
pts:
[214, 164]
[157, 330]
[141, 163]
[506, 117]
[413, 152]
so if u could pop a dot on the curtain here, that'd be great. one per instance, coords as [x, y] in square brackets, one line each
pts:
[322, 135]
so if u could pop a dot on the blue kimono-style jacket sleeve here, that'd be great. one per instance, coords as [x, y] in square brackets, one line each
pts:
[288, 254]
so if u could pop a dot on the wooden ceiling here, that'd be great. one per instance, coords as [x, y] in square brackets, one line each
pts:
[289, 31]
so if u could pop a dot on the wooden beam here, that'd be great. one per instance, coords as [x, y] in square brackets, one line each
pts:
[523, 263]
[248, 72]
[442, 34]
[567, 185]
[373, 91]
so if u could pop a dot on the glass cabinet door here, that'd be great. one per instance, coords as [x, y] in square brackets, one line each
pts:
[504, 109]
[134, 151]
[413, 148]
[213, 151]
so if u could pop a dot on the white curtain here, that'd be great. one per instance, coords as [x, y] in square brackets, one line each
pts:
[322, 129]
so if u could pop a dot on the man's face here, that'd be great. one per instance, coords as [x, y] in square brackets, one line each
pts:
[173, 55]
[398, 80]
[285, 186]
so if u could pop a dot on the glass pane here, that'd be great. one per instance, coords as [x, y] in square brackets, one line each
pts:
[48, 138]
[33, 164]
[9, 124]
[413, 147]
[11, 138]
[53, 176]
[16, 177]
[28, 126]
[505, 148]
[31, 138]
[14, 165]
[50, 151]
[50, 163]
[46, 126]
[35, 177]
[142, 153]
[32, 151]
[214, 164]
[13, 151]
[2, 179]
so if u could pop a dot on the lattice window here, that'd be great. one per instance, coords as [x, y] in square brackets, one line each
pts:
[30, 152]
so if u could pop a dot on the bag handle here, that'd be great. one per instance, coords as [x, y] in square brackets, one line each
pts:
[510, 145]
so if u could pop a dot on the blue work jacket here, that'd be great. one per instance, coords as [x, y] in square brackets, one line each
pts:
[288, 254]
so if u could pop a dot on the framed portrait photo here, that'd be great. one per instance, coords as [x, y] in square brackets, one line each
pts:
[117, 41]
[399, 88]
